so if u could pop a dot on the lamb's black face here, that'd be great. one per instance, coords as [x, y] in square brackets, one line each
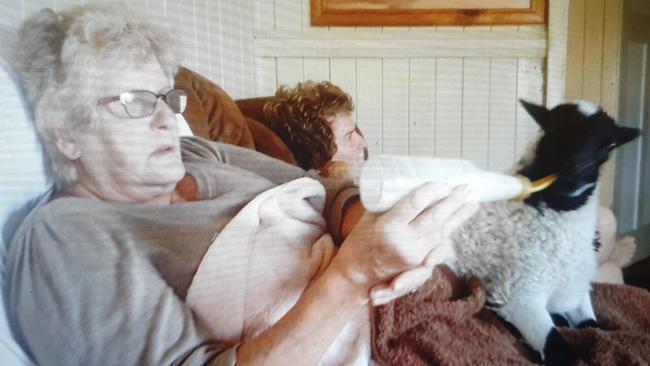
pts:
[577, 140]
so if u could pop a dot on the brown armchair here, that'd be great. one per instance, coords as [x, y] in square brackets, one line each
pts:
[213, 115]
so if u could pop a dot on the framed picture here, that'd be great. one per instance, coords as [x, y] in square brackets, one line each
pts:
[426, 12]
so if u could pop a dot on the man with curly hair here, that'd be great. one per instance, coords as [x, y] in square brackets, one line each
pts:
[315, 121]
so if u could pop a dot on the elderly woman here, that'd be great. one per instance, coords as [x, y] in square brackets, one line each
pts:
[315, 121]
[101, 274]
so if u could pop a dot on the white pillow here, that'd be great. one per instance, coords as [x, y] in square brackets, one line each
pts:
[23, 182]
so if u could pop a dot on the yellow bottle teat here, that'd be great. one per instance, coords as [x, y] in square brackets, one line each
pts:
[536, 186]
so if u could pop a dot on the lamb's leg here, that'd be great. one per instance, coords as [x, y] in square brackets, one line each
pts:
[583, 316]
[536, 326]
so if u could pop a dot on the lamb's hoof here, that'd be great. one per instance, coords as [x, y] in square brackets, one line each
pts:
[557, 352]
[589, 323]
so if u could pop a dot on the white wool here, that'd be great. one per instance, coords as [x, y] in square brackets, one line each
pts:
[532, 262]
[520, 251]
[587, 108]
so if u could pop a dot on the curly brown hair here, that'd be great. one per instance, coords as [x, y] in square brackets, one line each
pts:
[300, 117]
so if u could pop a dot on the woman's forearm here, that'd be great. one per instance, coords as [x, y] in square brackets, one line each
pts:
[305, 333]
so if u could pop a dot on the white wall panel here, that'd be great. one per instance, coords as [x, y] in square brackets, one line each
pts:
[290, 71]
[422, 88]
[215, 37]
[266, 79]
[503, 99]
[476, 109]
[395, 127]
[449, 106]
[343, 73]
[530, 87]
[317, 69]
[369, 102]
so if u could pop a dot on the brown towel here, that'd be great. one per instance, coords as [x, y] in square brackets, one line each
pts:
[445, 323]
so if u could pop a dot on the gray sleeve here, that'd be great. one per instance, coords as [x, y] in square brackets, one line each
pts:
[201, 156]
[196, 149]
[77, 297]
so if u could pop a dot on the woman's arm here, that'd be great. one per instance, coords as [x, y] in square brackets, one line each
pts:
[305, 333]
[413, 232]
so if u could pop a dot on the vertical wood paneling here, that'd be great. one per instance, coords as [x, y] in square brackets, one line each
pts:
[609, 84]
[246, 8]
[343, 73]
[396, 113]
[181, 13]
[202, 36]
[575, 49]
[556, 72]
[305, 6]
[476, 108]
[611, 54]
[369, 102]
[449, 105]
[288, 15]
[232, 52]
[422, 107]
[289, 71]
[265, 67]
[317, 69]
[503, 94]
[530, 87]
[266, 79]
[264, 14]
[215, 48]
[593, 50]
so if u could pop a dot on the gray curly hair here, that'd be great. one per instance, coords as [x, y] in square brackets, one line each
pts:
[61, 57]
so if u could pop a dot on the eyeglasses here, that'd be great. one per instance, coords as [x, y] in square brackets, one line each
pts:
[142, 103]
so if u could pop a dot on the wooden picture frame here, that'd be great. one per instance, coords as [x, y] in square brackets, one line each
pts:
[427, 12]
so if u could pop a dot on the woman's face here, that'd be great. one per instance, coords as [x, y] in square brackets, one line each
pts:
[350, 144]
[130, 159]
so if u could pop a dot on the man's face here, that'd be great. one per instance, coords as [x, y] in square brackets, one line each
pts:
[350, 145]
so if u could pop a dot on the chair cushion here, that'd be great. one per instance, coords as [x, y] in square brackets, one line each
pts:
[211, 113]
[267, 142]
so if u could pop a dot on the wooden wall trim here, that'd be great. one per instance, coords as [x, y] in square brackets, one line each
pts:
[510, 43]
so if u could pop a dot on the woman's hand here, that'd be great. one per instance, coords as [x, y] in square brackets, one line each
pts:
[186, 190]
[414, 233]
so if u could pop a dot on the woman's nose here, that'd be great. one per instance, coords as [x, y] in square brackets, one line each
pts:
[163, 117]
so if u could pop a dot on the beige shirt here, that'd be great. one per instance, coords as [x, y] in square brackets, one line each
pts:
[102, 283]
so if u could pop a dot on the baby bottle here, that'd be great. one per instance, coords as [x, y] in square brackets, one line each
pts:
[385, 179]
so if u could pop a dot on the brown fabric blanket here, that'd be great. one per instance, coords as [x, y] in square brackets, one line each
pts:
[445, 323]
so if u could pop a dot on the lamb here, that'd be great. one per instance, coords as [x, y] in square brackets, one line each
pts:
[537, 258]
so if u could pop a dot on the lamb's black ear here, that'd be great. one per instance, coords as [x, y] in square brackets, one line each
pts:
[626, 134]
[538, 112]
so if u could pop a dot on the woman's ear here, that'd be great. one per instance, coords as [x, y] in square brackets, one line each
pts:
[68, 147]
